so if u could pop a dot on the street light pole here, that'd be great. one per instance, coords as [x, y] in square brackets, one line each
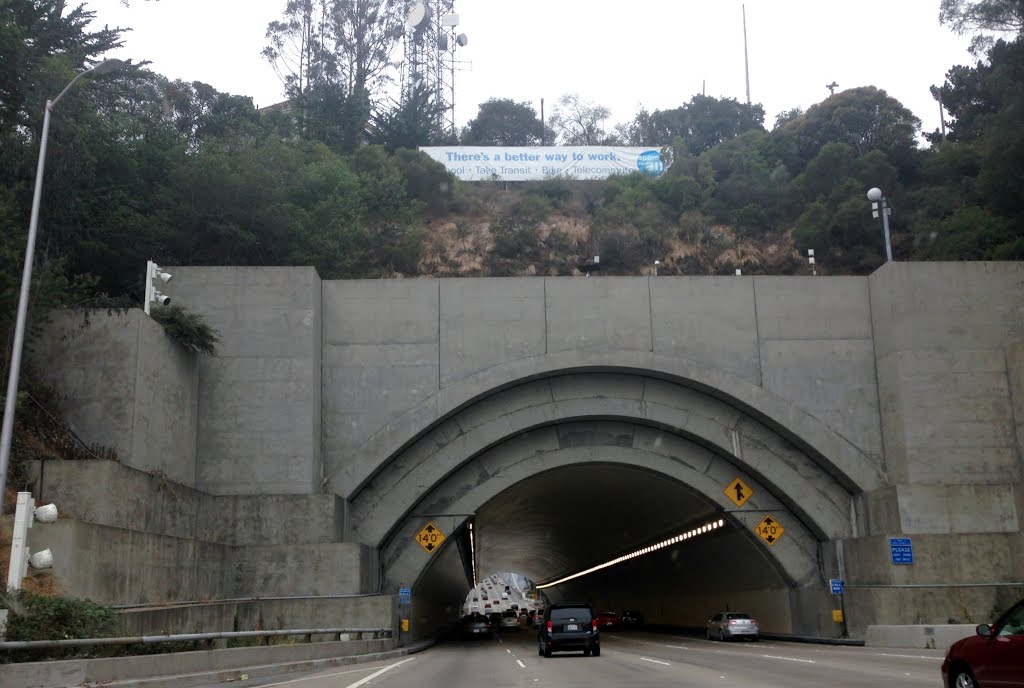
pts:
[879, 204]
[10, 401]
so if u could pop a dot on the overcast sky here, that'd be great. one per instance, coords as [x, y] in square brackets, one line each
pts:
[651, 53]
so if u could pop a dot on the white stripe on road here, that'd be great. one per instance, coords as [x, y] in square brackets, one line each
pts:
[364, 681]
[656, 661]
[790, 659]
[678, 647]
[310, 678]
[886, 654]
[520, 663]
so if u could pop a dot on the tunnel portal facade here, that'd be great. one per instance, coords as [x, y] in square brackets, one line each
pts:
[342, 416]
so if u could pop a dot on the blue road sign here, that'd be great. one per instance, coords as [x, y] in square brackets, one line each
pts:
[902, 550]
[836, 585]
[405, 596]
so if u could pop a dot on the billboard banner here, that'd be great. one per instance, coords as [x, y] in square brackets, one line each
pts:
[536, 163]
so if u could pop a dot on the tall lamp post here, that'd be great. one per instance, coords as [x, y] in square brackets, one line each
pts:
[26, 278]
[880, 205]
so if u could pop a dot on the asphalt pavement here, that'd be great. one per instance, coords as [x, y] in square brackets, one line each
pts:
[633, 658]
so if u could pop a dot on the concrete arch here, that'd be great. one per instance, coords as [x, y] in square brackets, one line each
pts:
[850, 467]
[699, 470]
[813, 494]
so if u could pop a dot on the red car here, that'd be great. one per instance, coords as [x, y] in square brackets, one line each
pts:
[993, 657]
[605, 619]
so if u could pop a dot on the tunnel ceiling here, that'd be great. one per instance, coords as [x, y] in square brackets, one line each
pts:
[569, 518]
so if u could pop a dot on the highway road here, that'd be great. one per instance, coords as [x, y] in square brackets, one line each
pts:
[633, 658]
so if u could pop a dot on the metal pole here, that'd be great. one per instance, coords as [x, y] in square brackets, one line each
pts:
[746, 60]
[19, 327]
[542, 121]
[885, 225]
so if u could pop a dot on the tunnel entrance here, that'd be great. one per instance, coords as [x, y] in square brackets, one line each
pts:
[567, 471]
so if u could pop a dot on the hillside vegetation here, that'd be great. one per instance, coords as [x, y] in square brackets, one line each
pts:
[141, 167]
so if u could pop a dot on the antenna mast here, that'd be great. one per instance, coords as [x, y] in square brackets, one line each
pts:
[746, 60]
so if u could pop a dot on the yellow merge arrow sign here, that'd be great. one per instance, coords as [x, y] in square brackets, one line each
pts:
[430, 537]
[769, 530]
[738, 492]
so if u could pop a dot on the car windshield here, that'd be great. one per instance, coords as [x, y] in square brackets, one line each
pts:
[734, 615]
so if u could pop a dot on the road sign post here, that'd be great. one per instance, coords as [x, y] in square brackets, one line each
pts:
[836, 586]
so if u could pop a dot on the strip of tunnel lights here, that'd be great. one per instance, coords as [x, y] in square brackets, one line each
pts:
[692, 533]
[472, 554]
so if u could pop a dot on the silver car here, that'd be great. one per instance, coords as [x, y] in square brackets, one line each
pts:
[724, 625]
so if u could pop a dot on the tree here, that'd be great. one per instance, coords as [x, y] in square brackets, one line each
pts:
[864, 118]
[702, 123]
[579, 123]
[411, 123]
[976, 16]
[363, 35]
[503, 122]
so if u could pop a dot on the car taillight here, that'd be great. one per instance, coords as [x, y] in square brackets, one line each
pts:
[551, 627]
[593, 624]
[733, 622]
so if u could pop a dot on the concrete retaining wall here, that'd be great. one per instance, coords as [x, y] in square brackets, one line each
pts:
[371, 611]
[922, 637]
[126, 385]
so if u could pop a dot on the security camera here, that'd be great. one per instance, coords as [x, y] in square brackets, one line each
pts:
[41, 560]
[46, 513]
[162, 299]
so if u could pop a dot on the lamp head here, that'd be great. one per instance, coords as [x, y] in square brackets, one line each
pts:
[875, 194]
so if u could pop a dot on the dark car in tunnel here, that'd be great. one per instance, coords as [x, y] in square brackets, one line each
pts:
[569, 627]
[475, 626]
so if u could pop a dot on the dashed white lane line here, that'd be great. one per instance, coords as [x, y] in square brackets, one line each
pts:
[508, 650]
[655, 661]
[790, 659]
[678, 647]
[520, 663]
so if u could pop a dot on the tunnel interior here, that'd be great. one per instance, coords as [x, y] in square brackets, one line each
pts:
[567, 519]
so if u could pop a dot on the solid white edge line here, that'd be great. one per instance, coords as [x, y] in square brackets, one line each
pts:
[791, 659]
[656, 661]
[363, 681]
[310, 678]
[520, 663]
[886, 654]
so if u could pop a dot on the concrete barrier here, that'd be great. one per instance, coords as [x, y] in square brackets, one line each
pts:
[175, 666]
[917, 636]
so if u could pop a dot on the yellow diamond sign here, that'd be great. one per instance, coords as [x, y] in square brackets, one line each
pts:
[738, 492]
[430, 537]
[769, 530]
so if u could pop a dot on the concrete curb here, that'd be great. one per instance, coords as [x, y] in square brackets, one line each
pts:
[698, 630]
[220, 675]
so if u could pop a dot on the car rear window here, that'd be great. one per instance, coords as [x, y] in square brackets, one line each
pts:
[578, 613]
[737, 616]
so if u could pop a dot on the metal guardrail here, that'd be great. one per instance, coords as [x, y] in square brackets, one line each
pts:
[186, 637]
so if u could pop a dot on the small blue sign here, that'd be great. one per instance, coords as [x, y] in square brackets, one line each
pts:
[902, 550]
[836, 585]
[405, 596]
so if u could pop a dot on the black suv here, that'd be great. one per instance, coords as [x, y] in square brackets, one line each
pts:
[568, 627]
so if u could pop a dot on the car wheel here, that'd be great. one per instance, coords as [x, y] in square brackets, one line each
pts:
[547, 652]
[963, 678]
[586, 653]
[540, 650]
[597, 652]
[756, 638]
[721, 635]
[707, 632]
